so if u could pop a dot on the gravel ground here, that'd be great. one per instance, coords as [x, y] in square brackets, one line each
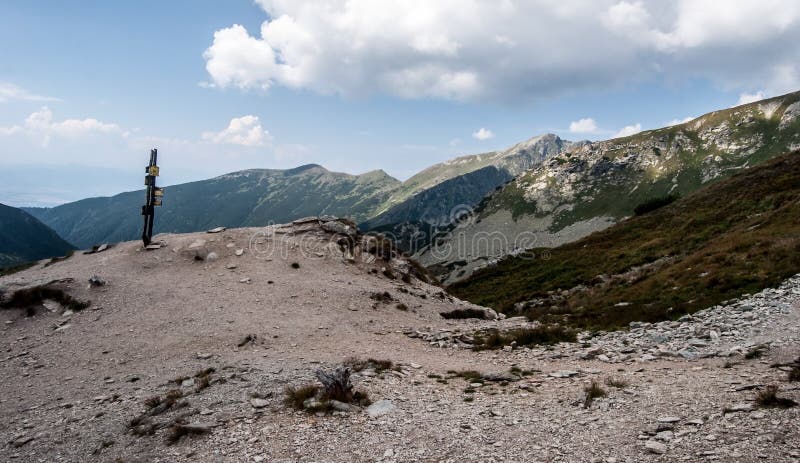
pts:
[70, 384]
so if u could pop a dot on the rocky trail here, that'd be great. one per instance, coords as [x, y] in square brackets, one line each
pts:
[186, 351]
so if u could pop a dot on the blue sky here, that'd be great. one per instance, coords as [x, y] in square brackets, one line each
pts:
[87, 87]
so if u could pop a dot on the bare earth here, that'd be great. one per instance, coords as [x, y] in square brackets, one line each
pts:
[71, 384]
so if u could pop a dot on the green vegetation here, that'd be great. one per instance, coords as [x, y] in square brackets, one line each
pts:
[540, 335]
[735, 236]
[24, 239]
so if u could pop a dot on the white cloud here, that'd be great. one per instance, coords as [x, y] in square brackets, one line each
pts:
[585, 125]
[482, 134]
[243, 131]
[628, 130]
[9, 91]
[745, 98]
[679, 121]
[484, 50]
[40, 125]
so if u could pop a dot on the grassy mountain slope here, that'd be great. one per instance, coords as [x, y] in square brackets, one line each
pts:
[732, 237]
[596, 184]
[239, 199]
[513, 161]
[23, 238]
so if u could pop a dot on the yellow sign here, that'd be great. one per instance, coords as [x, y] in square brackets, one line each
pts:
[153, 171]
[156, 202]
[158, 192]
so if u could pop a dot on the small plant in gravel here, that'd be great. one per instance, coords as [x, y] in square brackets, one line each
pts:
[402, 307]
[794, 373]
[618, 383]
[180, 429]
[593, 391]
[768, 398]
[336, 387]
[384, 297]
[755, 353]
[469, 375]
[295, 397]
[356, 364]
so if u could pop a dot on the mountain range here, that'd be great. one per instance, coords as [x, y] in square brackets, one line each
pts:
[594, 185]
[542, 192]
[261, 196]
[23, 238]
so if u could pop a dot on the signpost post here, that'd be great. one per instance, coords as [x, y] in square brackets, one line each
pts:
[153, 199]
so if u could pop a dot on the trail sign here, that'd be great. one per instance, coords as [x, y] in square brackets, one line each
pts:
[154, 197]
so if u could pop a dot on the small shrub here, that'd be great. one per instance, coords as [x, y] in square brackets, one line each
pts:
[768, 397]
[469, 399]
[295, 265]
[618, 383]
[30, 298]
[384, 297]
[469, 375]
[388, 273]
[295, 397]
[379, 366]
[460, 314]
[178, 430]
[755, 353]
[402, 307]
[542, 334]
[593, 391]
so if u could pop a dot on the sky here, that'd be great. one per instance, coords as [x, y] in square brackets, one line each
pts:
[87, 88]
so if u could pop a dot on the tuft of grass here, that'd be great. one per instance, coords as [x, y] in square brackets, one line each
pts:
[755, 353]
[768, 398]
[540, 335]
[618, 383]
[593, 391]
[469, 375]
[31, 298]
[379, 365]
[295, 397]
[179, 430]
[384, 297]
[461, 314]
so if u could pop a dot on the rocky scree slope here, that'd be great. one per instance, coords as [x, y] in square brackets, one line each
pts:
[23, 238]
[247, 198]
[222, 329]
[594, 185]
[734, 236]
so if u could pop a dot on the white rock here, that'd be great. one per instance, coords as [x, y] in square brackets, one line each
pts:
[380, 408]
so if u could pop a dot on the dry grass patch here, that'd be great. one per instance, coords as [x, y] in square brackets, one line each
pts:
[593, 391]
[768, 398]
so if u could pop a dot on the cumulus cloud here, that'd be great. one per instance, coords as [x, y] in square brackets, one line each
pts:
[9, 91]
[482, 134]
[485, 50]
[679, 121]
[745, 98]
[585, 125]
[40, 125]
[243, 131]
[628, 130]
